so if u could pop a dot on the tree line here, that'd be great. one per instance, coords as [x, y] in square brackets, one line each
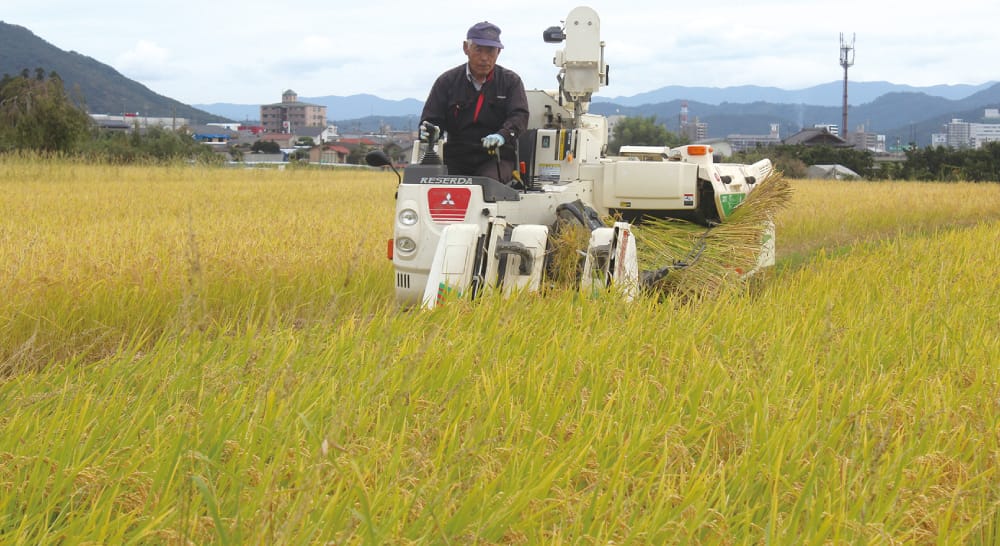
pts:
[37, 114]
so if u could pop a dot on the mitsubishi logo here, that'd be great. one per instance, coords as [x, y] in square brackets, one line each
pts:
[448, 204]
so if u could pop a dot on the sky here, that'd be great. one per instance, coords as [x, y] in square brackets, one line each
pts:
[248, 52]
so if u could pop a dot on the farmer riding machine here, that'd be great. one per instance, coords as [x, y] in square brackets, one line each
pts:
[458, 236]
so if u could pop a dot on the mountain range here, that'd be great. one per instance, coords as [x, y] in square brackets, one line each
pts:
[902, 116]
[826, 94]
[903, 113]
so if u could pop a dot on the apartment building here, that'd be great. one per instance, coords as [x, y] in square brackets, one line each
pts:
[963, 134]
[290, 115]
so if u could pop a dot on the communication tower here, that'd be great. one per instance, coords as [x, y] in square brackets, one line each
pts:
[846, 61]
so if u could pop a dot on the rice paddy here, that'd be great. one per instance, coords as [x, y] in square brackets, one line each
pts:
[192, 355]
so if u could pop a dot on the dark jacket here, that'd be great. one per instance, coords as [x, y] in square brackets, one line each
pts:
[452, 106]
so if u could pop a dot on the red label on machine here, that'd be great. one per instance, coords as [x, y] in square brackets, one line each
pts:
[448, 204]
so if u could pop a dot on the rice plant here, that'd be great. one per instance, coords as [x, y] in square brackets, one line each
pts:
[208, 356]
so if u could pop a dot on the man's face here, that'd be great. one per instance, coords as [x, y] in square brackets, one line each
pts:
[482, 59]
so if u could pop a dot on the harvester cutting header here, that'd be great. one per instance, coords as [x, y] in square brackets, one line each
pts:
[459, 235]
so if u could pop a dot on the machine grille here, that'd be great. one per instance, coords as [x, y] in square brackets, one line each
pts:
[402, 280]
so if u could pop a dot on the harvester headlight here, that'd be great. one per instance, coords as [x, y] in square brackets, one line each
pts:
[406, 245]
[408, 217]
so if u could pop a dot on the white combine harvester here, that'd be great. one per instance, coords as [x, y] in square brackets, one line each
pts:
[462, 235]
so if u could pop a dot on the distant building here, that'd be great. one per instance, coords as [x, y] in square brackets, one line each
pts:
[212, 134]
[831, 172]
[816, 137]
[612, 121]
[130, 120]
[290, 115]
[867, 141]
[831, 128]
[963, 134]
[229, 126]
[329, 154]
[314, 133]
[742, 143]
[251, 129]
[353, 143]
[958, 134]
[984, 132]
[285, 140]
[329, 134]
[694, 130]
[258, 158]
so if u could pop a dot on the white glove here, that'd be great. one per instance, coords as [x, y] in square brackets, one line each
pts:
[493, 141]
[429, 131]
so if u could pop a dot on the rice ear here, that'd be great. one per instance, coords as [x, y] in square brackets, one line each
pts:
[564, 256]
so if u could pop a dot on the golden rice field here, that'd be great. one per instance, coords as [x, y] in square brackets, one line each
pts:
[192, 355]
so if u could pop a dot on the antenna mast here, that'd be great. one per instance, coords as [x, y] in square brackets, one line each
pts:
[846, 61]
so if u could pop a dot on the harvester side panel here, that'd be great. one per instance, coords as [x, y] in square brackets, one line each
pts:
[611, 260]
[595, 265]
[534, 238]
[634, 189]
[491, 264]
[452, 268]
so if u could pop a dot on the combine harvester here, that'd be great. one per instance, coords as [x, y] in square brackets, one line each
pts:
[458, 236]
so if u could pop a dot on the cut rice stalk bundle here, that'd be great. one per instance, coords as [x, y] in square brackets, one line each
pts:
[567, 244]
[696, 261]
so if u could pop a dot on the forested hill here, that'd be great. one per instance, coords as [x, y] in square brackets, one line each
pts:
[104, 90]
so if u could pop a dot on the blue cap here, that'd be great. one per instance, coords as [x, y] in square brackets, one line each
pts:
[485, 34]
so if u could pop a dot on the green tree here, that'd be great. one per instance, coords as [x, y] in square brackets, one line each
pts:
[37, 114]
[155, 144]
[794, 160]
[394, 151]
[265, 147]
[357, 155]
[948, 165]
[642, 131]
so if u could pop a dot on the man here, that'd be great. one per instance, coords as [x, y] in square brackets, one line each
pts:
[482, 108]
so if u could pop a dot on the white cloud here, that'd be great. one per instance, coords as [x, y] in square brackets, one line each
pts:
[249, 55]
[145, 61]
